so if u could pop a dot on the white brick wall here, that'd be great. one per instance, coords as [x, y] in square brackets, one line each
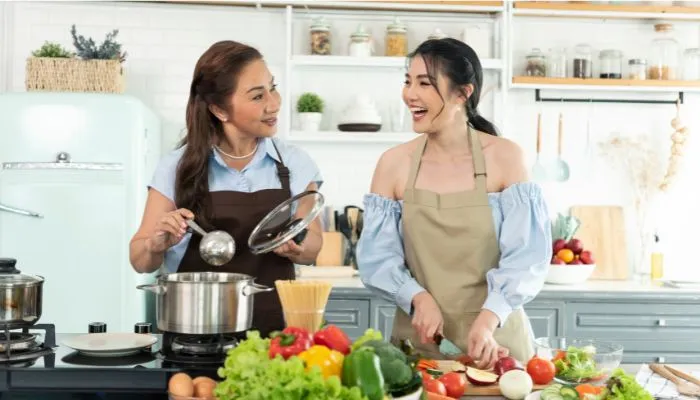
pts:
[163, 42]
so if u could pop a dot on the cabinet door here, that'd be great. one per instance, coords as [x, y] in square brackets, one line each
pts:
[546, 318]
[351, 315]
[78, 245]
[383, 314]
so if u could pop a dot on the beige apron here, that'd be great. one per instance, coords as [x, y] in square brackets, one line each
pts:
[450, 243]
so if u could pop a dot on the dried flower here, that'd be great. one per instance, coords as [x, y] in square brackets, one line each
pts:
[88, 50]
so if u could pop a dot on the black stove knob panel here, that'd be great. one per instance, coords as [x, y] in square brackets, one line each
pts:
[97, 327]
[142, 327]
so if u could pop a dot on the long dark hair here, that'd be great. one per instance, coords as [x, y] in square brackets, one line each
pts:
[460, 64]
[214, 80]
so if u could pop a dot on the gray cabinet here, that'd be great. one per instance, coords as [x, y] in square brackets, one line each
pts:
[652, 327]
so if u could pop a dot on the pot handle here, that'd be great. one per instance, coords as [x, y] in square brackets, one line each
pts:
[155, 288]
[255, 288]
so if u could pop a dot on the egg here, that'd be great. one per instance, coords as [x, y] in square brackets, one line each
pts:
[204, 389]
[181, 385]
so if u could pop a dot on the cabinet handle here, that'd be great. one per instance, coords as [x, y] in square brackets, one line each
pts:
[660, 359]
[63, 162]
[20, 211]
[661, 322]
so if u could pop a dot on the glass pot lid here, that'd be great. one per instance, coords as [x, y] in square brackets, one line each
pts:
[288, 221]
[9, 275]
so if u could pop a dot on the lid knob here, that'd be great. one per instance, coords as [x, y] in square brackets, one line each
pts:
[7, 266]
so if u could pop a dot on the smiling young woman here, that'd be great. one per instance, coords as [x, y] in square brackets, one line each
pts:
[454, 234]
[228, 173]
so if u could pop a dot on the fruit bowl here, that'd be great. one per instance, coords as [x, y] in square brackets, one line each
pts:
[569, 274]
[579, 360]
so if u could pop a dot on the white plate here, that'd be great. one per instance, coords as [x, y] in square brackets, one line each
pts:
[110, 344]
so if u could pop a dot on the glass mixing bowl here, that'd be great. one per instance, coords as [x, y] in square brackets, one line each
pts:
[580, 360]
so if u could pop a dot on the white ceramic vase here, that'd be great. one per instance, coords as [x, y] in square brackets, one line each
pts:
[310, 121]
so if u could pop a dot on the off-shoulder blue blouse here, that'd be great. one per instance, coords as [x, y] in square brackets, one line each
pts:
[523, 229]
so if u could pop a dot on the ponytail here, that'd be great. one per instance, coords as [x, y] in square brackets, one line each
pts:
[476, 121]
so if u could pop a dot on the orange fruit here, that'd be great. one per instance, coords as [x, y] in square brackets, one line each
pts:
[566, 255]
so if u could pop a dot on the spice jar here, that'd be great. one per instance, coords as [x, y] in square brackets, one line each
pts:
[396, 40]
[320, 37]
[664, 54]
[583, 66]
[536, 63]
[637, 69]
[360, 43]
[691, 64]
[610, 64]
[437, 34]
[556, 63]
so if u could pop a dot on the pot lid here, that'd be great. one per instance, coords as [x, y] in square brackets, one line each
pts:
[287, 221]
[11, 275]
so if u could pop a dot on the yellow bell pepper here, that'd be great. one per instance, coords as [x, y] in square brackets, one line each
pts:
[329, 361]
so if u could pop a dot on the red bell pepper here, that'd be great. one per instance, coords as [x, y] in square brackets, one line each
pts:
[334, 338]
[290, 342]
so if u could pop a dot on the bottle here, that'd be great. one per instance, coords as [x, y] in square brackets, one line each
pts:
[657, 260]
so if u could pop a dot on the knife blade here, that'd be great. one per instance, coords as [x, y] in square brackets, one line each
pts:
[446, 347]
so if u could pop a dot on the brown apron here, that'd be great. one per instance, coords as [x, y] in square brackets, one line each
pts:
[238, 213]
[450, 244]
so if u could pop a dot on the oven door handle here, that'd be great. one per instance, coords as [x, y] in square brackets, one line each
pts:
[19, 211]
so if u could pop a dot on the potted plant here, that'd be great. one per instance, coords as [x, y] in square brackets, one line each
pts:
[93, 68]
[310, 109]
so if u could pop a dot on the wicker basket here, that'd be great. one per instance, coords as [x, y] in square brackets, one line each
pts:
[74, 75]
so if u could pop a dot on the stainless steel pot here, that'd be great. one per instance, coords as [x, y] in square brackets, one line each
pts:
[21, 296]
[201, 303]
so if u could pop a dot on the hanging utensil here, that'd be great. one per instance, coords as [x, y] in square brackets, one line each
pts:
[560, 170]
[288, 221]
[539, 173]
[217, 247]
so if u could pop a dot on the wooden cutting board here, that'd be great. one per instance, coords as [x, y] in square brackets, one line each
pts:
[603, 232]
[474, 390]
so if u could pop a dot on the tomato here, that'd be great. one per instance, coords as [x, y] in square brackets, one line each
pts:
[426, 375]
[434, 386]
[561, 354]
[455, 383]
[541, 370]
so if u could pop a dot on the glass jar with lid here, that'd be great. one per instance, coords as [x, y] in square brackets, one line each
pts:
[360, 43]
[583, 64]
[610, 64]
[664, 54]
[320, 37]
[396, 40]
[691, 64]
[637, 69]
[437, 34]
[536, 63]
[556, 63]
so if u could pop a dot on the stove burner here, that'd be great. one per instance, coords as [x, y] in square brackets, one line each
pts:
[21, 348]
[203, 345]
[18, 341]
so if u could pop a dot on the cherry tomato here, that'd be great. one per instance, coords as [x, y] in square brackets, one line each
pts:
[541, 370]
[434, 386]
[455, 383]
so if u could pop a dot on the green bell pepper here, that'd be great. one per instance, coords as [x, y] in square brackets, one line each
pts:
[362, 369]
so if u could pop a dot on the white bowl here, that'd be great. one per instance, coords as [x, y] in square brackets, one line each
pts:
[412, 396]
[569, 274]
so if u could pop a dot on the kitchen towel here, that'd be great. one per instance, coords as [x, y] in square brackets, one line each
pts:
[658, 386]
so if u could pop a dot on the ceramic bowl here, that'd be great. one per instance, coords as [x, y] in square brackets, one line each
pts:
[569, 274]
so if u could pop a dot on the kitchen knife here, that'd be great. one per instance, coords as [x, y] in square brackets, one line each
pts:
[446, 346]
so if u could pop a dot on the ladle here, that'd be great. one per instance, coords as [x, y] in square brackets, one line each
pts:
[217, 247]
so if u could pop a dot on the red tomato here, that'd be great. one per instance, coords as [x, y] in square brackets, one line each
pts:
[540, 370]
[434, 386]
[455, 383]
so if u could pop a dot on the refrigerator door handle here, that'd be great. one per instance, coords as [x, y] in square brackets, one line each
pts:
[20, 211]
[63, 162]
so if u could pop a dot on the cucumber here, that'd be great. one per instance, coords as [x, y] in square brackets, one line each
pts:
[568, 393]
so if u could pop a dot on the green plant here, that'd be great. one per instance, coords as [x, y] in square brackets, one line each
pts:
[52, 50]
[309, 102]
[88, 50]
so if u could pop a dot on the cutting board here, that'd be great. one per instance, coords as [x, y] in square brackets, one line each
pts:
[474, 390]
[603, 232]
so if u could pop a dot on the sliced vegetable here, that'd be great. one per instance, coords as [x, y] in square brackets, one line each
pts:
[290, 342]
[362, 369]
[330, 362]
[334, 338]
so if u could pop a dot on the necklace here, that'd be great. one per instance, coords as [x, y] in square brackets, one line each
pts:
[236, 157]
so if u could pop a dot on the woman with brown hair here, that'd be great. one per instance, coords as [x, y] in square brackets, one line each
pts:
[228, 173]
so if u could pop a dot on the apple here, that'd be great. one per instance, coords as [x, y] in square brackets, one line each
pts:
[557, 260]
[587, 257]
[480, 377]
[558, 245]
[505, 364]
[575, 245]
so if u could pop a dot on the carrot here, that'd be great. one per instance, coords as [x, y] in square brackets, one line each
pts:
[427, 364]
[435, 396]
[587, 388]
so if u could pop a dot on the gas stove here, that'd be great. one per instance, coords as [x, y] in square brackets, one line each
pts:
[202, 350]
[20, 348]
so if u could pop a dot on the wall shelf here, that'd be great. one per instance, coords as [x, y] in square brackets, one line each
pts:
[370, 62]
[607, 85]
[611, 11]
[350, 137]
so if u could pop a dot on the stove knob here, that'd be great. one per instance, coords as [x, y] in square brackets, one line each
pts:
[97, 327]
[142, 327]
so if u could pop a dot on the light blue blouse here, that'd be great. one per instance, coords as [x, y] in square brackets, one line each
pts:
[523, 230]
[259, 174]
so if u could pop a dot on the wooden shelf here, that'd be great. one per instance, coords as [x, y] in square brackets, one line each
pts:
[350, 137]
[377, 61]
[604, 84]
[613, 11]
